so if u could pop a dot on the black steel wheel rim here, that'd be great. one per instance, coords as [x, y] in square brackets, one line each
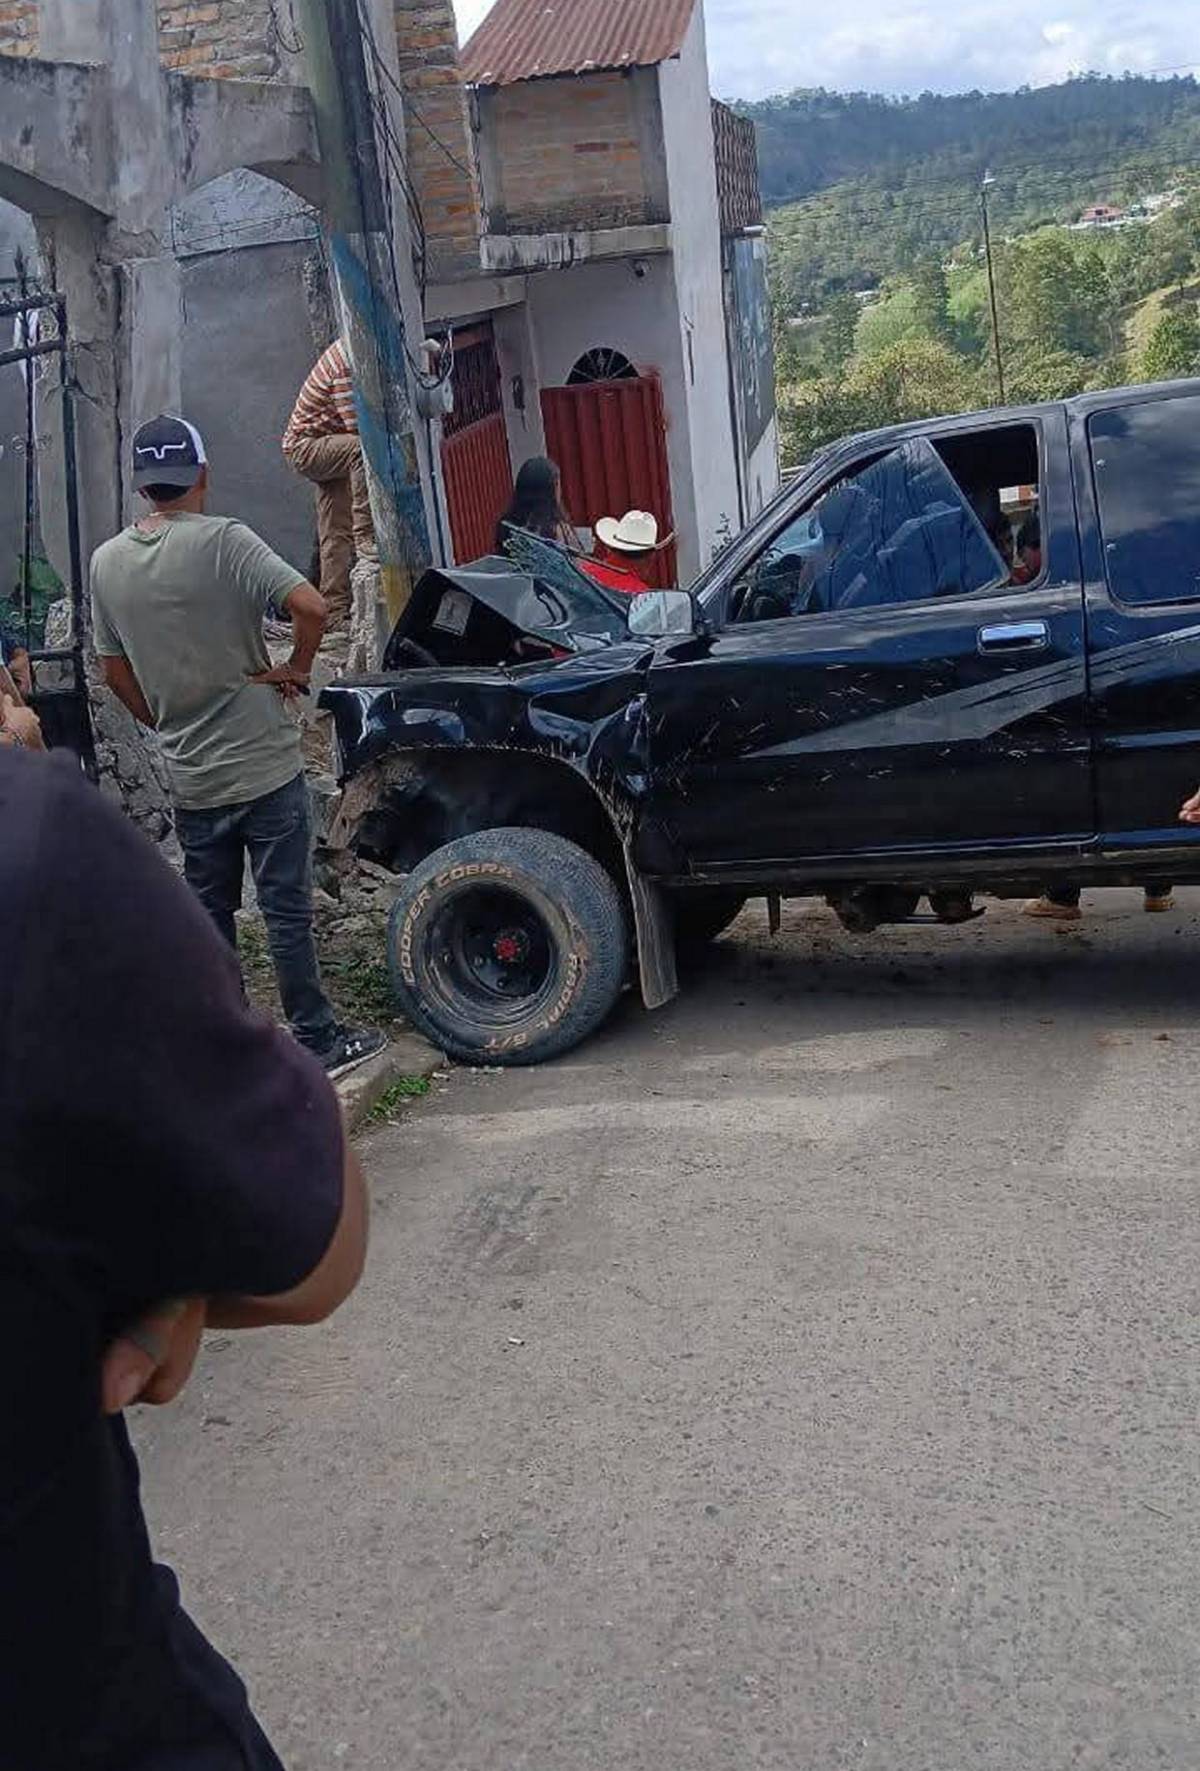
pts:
[490, 955]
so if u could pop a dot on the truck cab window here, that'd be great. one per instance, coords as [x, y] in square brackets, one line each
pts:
[1146, 463]
[898, 530]
[998, 470]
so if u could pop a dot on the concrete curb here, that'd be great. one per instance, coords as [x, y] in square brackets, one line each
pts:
[360, 1092]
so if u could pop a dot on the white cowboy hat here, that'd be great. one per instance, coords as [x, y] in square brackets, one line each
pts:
[635, 532]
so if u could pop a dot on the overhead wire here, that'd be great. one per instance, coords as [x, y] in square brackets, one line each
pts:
[946, 204]
[393, 149]
[409, 103]
[398, 166]
[884, 198]
[296, 45]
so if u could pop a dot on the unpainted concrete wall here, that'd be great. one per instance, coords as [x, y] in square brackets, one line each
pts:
[247, 348]
[258, 39]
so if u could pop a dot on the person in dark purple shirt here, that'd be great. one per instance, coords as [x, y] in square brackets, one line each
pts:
[169, 1160]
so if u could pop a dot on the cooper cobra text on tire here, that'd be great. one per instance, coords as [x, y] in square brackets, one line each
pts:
[509, 946]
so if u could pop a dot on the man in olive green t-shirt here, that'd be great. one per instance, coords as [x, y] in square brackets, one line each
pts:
[178, 602]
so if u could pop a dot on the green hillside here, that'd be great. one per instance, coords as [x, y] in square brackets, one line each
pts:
[878, 266]
[861, 186]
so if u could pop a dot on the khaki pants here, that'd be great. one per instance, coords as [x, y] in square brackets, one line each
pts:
[344, 528]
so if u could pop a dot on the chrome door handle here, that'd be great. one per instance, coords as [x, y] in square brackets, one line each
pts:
[1014, 636]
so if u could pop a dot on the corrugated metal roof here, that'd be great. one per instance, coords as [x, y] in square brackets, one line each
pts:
[534, 39]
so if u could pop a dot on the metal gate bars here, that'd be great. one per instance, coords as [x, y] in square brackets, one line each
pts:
[60, 696]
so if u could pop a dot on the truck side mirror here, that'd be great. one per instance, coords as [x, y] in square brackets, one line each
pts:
[662, 614]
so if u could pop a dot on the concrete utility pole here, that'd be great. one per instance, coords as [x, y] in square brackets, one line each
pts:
[358, 219]
[985, 187]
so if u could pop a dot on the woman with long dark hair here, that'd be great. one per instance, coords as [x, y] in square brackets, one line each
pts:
[537, 506]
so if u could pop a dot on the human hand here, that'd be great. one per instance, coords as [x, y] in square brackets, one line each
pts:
[1189, 812]
[22, 673]
[152, 1359]
[19, 725]
[285, 679]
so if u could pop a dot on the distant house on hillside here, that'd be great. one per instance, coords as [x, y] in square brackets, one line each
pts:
[1101, 215]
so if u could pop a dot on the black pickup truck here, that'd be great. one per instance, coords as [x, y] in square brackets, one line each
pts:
[872, 695]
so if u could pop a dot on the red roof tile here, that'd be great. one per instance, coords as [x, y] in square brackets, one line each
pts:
[533, 39]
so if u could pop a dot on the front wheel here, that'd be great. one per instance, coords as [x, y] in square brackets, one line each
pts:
[509, 946]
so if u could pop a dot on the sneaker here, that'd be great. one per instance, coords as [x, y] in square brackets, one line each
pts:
[352, 1047]
[1055, 912]
[1156, 902]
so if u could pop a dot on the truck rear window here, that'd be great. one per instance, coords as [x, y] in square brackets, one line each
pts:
[1146, 467]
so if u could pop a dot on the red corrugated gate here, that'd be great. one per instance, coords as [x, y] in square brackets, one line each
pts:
[476, 464]
[478, 475]
[609, 438]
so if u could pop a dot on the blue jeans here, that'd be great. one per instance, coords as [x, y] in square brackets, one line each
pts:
[276, 832]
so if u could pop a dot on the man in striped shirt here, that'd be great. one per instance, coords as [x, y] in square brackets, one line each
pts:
[321, 442]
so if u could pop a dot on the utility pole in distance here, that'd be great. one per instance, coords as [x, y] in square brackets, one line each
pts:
[362, 251]
[985, 187]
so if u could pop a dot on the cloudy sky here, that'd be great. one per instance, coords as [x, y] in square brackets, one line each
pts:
[762, 46]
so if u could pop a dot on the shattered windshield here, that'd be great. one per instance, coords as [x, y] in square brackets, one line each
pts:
[558, 581]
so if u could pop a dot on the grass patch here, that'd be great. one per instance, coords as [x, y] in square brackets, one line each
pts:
[257, 970]
[354, 969]
[361, 986]
[397, 1096]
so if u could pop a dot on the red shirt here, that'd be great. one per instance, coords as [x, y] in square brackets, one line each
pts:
[612, 576]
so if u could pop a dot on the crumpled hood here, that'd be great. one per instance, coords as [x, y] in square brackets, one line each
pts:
[477, 615]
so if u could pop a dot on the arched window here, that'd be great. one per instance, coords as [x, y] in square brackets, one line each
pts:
[601, 364]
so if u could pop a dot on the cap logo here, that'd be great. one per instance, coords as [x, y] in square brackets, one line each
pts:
[160, 451]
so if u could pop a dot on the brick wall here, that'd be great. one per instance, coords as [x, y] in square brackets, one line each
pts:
[18, 27]
[222, 39]
[564, 154]
[439, 147]
[227, 39]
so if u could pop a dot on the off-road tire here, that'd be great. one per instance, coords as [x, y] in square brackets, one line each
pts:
[563, 902]
[700, 917]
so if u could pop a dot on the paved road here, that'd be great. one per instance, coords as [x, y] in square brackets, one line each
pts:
[805, 1377]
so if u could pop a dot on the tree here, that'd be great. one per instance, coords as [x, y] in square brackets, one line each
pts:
[1095, 315]
[1038, 374]
[889, 320]
[1173, 348]
[931, 298]
[811, 414]
[1171, 247]
[913, 378]
[841, 325]
[1052, 300]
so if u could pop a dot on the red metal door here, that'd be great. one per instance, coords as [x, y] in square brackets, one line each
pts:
[476, 465]
[609, 439]
[479, 483]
